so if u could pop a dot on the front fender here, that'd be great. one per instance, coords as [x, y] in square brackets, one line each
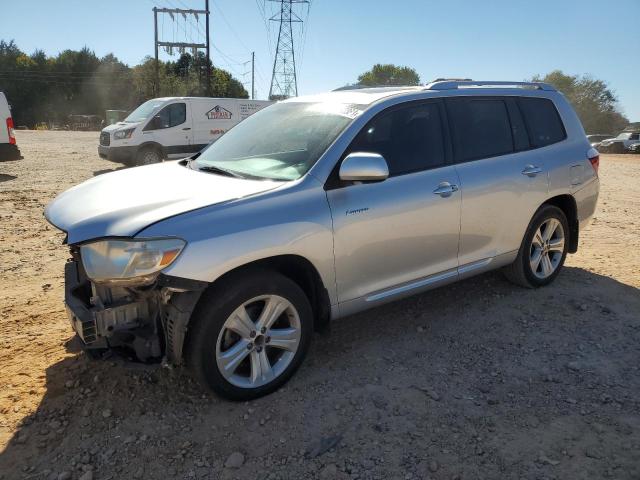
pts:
[220, 238]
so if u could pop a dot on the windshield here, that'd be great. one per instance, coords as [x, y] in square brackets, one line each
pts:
[144, 111]
[280, 142]
[624, 136]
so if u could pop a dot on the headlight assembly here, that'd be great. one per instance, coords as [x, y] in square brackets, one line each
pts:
[122, 134]
[129, 261]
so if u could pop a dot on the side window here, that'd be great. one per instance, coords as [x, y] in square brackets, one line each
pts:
[481, 128]
[635, 136]
[518, 128]
[543, 121]
[170, 116]
[409, 138]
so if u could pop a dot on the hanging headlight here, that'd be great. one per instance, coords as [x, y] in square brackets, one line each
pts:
[129, 261]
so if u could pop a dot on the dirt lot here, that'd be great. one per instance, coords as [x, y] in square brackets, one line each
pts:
[476, 380]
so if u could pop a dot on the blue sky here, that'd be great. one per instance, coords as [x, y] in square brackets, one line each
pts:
[496, 39]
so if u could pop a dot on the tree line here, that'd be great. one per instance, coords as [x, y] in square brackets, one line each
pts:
[594, 102]
[49, 89]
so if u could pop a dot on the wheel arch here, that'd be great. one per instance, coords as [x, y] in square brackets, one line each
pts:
[568, 205]
[298, 269]
[150, 144]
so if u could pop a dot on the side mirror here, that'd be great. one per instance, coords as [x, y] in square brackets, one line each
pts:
[364, 167]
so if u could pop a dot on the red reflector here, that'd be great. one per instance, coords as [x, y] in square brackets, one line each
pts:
[595, 162]
[594, 157]
[12, 136]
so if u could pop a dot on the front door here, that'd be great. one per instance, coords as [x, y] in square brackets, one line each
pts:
[171, 129]
[393, 235]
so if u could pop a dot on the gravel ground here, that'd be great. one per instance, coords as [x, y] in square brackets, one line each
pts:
[476, 380]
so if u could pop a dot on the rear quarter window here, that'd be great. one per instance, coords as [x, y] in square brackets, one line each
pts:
[543, 121]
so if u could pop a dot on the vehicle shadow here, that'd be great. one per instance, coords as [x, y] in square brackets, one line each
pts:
[6, 178]
[504, 347]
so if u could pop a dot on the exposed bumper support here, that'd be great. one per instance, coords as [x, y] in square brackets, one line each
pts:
[152, 321]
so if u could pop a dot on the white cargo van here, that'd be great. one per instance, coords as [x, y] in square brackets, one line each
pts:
[173, 127]
[8, 148]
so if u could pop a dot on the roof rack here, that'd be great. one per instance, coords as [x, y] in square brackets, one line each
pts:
[361, 87]
[456, 84]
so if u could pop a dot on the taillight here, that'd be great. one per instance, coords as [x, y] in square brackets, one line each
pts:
[594, 157]
[12, 135]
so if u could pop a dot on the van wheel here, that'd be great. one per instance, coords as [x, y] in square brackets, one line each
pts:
[249, 334]
[148, 156]
[543, 250]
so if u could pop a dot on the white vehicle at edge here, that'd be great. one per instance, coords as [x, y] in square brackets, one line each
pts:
[8, 148]
[173, 127]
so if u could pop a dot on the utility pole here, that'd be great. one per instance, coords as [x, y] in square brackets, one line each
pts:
[284, 83]
[181, 45]
[156, 84]
[253, 75]
[208, 60]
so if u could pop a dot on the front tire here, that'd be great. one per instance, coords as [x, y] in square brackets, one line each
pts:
[249, 334]
[148, 156]
[543, 250]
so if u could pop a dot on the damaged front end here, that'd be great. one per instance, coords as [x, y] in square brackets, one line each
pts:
[149, 319]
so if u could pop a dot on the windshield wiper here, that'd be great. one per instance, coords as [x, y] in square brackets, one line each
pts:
[219, 171]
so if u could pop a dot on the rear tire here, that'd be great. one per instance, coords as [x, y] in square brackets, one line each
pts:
[543, 249]
[148, 156]
[232, 346]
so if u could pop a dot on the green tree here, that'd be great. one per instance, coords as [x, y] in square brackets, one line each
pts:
[389, 74]
[594, 102]
[49, 89]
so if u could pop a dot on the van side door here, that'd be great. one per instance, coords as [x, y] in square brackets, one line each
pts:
[171, 128]
[398, 236]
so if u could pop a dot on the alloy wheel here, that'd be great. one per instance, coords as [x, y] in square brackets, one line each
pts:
[258, 341]
[547, 248]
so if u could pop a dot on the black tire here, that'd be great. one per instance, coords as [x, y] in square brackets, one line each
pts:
[215, 307]
[520, 271]
[149, 156]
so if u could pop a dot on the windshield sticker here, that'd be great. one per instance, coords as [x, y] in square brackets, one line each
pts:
[348, 110]
[218, 113]
[352, 111]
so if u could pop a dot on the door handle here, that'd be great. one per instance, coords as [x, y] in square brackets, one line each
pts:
[531, 170]
[445, 189]
[187, 128]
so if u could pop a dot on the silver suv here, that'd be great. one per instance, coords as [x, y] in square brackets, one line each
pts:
[318, 207]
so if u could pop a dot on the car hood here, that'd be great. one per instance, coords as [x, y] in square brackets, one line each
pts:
[122, 203]
[120, 126]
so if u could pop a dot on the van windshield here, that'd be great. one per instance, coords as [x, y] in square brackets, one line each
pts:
[280, 142]
[143, 112]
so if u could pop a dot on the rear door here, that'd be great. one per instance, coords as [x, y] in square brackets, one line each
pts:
[394, 236]
[171, 128]
[503, 180]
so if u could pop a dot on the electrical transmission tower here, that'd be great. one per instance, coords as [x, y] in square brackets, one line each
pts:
[284, 83]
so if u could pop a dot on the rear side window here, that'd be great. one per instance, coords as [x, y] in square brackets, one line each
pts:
[518, 128]
[481, 128]
[409, 138]
[543, 121]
